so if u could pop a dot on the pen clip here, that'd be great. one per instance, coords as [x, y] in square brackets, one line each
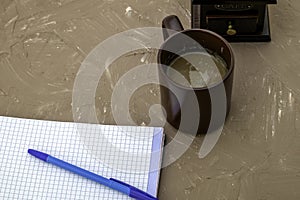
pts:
[135, 192]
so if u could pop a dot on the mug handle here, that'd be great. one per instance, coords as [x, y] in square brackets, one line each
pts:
[170, 23]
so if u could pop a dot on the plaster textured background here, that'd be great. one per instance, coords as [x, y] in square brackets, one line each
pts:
[42, 44]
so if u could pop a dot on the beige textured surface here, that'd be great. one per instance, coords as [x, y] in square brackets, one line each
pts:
[43, 42]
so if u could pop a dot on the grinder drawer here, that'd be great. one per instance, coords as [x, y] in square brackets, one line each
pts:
[231, 24]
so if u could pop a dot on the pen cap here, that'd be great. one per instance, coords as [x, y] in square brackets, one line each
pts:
[135, 192]
[140, 195]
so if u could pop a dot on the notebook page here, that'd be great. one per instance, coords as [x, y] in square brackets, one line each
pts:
[121, 152]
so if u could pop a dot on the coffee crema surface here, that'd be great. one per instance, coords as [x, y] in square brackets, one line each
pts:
[198, 69]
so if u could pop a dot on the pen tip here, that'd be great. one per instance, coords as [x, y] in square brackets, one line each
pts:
[38, 154]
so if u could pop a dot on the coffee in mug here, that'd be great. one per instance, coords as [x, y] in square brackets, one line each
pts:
[200, 69]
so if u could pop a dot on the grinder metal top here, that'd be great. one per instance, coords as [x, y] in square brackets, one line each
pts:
[230, 1]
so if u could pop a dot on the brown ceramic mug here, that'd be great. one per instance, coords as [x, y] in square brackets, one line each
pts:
[194, 109]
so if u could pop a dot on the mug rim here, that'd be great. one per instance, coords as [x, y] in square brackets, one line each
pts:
[231, 66]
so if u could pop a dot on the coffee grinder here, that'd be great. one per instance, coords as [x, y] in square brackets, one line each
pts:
[235, 20]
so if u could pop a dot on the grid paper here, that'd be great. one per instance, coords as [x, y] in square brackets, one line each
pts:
[121, 152]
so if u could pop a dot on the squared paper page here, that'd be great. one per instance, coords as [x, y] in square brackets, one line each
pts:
[121, 152]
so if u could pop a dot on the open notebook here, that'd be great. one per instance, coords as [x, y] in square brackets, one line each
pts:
[128, 153]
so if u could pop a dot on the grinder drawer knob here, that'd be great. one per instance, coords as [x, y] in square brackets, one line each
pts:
[231, 30]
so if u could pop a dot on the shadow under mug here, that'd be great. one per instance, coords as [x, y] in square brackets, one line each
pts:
[193, 110]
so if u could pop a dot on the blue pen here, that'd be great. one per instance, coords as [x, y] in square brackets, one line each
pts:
[111, 183]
